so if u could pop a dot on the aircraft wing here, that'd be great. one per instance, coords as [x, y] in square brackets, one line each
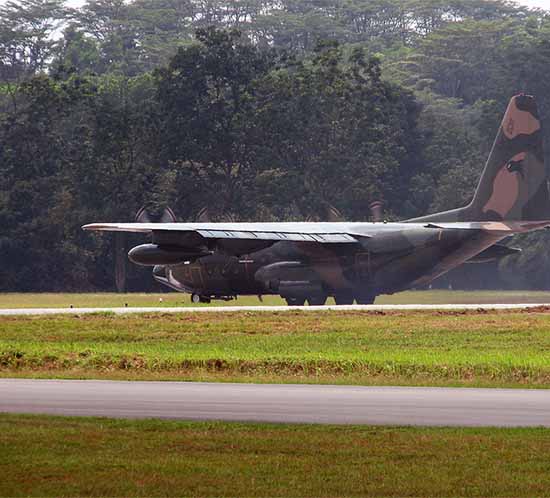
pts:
[324, 233]
[320, 232]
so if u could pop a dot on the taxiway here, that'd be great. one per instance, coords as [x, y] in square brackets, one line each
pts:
[279, 402]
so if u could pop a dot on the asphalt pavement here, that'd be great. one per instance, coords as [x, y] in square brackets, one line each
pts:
[279, 402]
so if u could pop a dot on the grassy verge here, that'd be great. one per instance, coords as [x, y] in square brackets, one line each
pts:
[58, 456]
[92, 300]
[419, 348]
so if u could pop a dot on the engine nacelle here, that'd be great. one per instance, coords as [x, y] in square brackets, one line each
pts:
[153, 254]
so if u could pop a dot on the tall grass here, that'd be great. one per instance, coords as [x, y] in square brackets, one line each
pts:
[421, 347]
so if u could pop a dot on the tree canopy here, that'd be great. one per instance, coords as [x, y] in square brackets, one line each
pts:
[253, 109]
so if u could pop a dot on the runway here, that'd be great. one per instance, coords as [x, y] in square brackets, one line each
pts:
[232, 309]
[279, 402]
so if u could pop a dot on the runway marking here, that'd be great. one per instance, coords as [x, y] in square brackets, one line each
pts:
[293, 403]
[227, 309]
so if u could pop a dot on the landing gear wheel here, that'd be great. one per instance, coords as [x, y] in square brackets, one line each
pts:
[316, 300]
[343, 298]
[197, 298]
[365, 298]
[295, 301]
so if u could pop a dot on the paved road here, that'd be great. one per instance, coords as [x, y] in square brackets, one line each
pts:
[213, 309]
[279, 402]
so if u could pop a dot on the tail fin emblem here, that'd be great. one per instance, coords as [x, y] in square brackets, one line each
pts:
[510, 127]
[516, 167]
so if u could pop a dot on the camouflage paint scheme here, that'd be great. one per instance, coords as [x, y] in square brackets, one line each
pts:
[357, 261]
[513, 185]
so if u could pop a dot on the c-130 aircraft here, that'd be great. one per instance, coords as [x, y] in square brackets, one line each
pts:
[310, 261]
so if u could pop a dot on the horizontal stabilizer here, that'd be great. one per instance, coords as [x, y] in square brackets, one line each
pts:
[509, 227]
[494, 253]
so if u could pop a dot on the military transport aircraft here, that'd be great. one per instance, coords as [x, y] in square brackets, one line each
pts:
[357, 261]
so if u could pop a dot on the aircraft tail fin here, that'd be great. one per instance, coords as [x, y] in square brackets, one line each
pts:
[514, 183]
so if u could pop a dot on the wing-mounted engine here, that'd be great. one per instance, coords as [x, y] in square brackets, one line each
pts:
[167, 248]
[154, 254]
[175, 247]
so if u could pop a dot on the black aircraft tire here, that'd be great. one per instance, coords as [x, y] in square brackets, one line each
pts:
[343, 298]
[365, 299]
[295, 301]
[197, 298]
[316, 300]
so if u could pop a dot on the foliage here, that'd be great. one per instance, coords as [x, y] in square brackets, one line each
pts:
[257, 110]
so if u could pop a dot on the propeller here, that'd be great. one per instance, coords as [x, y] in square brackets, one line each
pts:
[327, 213]
[377, 211]
[333, 214]
[142, 216]
[145, 216]
[204, 216]
[168, 216]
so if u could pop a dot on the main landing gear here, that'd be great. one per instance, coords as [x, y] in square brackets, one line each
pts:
[300, 301]
[316, 300]
[295, 301]
[340, 299]
[344, 298]
[365, 298]
[312, 300]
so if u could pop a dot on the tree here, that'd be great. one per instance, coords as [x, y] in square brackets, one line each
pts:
[26, 36]
[204, 97]
[334, 133]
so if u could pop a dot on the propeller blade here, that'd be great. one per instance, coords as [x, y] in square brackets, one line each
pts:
[142, 216]
[168, 216]
[376, 211]
[333, 214]
[203, 216]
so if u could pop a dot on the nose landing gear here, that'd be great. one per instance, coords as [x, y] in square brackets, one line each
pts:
[197, 298]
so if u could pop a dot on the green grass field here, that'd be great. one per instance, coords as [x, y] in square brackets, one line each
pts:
[420, 348]
[92, 300]
[57, 456]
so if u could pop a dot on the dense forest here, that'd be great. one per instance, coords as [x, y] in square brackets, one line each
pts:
[254, 110]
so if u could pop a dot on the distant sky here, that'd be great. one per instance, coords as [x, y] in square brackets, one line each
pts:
[543, 4]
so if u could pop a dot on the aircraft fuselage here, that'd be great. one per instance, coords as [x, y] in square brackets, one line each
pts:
[299, 271]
